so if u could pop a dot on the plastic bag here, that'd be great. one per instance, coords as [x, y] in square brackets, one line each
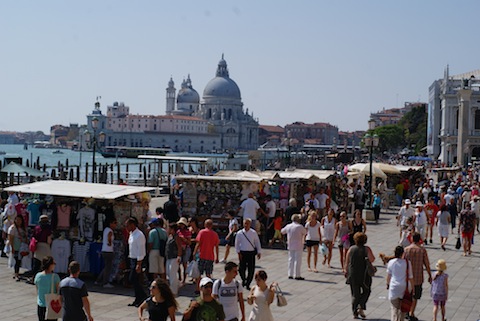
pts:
[192, 270]
[323, 249]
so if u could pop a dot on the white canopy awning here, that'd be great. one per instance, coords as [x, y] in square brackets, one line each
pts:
[219, 178]
[78, 189]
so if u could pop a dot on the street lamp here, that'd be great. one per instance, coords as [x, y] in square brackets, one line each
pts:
[370, 142]
[288, 142]
[94, 141]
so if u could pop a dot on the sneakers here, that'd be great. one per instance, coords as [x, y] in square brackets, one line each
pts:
[223, 261]
[108, 286]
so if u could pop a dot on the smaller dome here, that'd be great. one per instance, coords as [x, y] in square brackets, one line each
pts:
[115, 104]
[188, 95]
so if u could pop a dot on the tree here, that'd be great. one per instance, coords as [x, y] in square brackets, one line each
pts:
[391, 137]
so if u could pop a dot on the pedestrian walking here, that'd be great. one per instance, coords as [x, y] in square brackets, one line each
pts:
[136, 254]
[107, 254]
[399, 276]
[295, 236]
[439, 289]
[229, 292]
[261, 296]
[44, 282]
[161, 304]
[247, 245]
[76, 306]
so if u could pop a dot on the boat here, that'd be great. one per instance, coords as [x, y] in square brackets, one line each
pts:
[58, 151]
[2, 152]
[133, 152]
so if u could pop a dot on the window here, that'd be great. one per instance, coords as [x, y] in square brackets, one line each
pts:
[477, 119]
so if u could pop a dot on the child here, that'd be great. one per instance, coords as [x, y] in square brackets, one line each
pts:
[439, 290]
[277, 226]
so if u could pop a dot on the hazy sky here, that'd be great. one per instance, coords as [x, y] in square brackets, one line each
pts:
[310, 61]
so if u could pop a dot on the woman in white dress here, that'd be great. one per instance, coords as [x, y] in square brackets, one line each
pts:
[261, 296]
[328, 225]
[442, 220]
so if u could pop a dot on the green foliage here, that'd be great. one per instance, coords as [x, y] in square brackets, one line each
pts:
[410, 131]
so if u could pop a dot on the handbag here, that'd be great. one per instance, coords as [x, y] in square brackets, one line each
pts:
[458, 245]
[281, 300]
[33, 244]
[406, 301]
[192, 269]
[370, 268]
[53, 302]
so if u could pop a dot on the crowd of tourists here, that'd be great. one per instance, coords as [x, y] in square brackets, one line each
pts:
[162, 252]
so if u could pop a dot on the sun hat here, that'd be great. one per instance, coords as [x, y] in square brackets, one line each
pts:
[205, 281]
[407, 201]
[183, 221]
[43, 217]
[418, 204]
[441, 265]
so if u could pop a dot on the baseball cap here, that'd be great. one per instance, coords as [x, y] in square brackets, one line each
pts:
[205, 281]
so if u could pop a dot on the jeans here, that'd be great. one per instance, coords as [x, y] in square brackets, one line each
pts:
[247, 263]
[104, 276]
[134, 278]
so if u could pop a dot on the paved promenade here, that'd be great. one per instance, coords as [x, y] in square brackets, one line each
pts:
[322, 296]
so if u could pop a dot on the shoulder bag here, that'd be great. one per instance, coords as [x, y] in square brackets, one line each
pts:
[370, 268]
[406, 301]
[254, 248]
[281, 300]
[53, 302]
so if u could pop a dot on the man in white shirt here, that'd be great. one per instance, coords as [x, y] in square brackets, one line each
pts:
[250, 209]
[136, 254]
[405, 212]
[271, 210]
[247, 245]
[229, 292]
[295, 236]
[322, 198]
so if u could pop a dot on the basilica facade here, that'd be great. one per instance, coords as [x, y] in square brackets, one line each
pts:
[215, 122]
[453, 129]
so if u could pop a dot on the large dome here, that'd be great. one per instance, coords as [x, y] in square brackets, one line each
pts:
[222, 85]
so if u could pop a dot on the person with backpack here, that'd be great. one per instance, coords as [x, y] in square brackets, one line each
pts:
[229, 292]
[157, 240]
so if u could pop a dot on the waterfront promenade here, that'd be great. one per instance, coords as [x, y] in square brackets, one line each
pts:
[322, 296]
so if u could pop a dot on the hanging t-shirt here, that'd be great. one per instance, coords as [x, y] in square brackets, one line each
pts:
[49, 210]
[63, 216]
[275, 191]
[34, 210]
[80, 254]
[22, 210]
[86, 221]
[61, 251]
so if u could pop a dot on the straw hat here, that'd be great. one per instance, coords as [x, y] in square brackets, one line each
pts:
[183, 221]
[441, 265]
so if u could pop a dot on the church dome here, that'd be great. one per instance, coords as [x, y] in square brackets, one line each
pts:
[187, 94]
[222, 85]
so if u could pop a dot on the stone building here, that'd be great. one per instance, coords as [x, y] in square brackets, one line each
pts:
[453, 129]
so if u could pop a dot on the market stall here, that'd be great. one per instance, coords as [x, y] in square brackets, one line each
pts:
[78, 213]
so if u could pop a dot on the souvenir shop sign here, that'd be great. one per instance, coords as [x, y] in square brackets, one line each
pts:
[78, 189]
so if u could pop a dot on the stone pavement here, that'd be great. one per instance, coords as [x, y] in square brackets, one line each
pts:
[322, 296]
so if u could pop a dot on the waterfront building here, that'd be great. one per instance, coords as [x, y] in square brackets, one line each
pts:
[453, 129]
[217, 122]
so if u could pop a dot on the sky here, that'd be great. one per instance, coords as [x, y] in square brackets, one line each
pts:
[309, 61]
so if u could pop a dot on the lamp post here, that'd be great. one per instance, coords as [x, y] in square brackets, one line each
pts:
[370, 142]
[94, 141]
[288, 142]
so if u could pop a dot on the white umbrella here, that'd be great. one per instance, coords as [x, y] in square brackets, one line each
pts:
[387, 168]
[364, 168]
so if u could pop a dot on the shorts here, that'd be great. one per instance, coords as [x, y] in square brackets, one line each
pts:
[231, 240]
[278, 235]
[156, 263]
[205, 266]
[439, 303]
[418, 292]
[310, 243]
[467, 235]
[187, 252]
